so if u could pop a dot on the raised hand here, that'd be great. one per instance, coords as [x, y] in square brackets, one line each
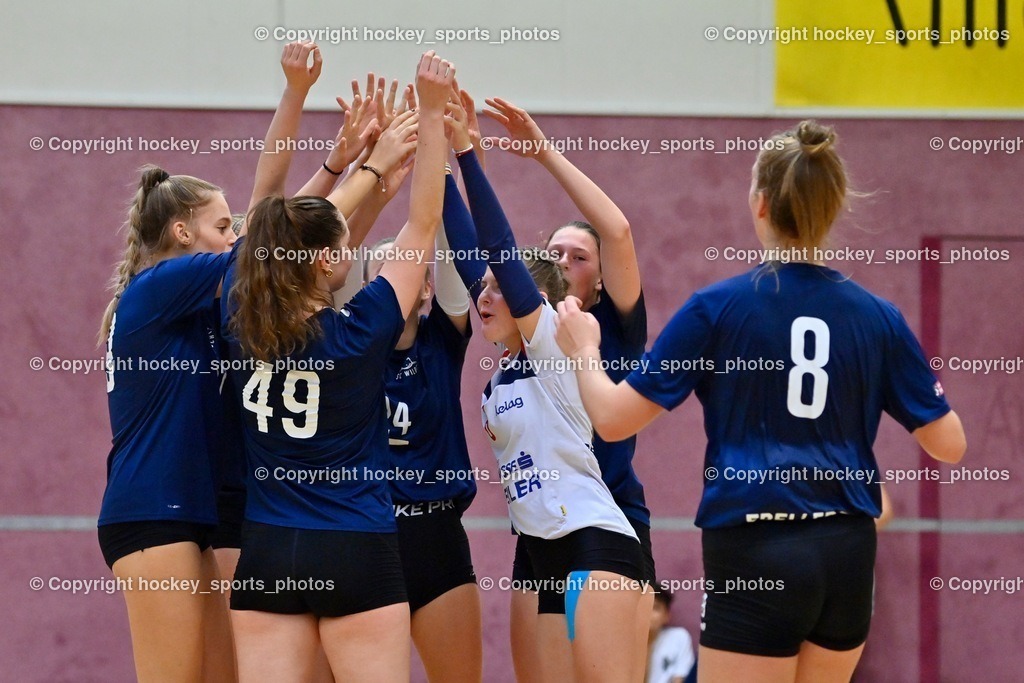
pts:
[357, 129]
[298, 72]
[385, 110]
[408, 99]
[395, 178]
[576, 329]
[434, 82]
[472, 122]
[457, 122]
[520, 126]
[396, 143]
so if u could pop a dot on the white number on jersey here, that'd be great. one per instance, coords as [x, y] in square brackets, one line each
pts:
[110, 354]
[310, 408]
[400, 421]
[808, 366]
[259, 384]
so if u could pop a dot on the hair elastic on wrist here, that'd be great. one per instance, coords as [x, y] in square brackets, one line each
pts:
[328, 169]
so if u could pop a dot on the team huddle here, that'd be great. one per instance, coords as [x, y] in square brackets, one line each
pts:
[280, 476]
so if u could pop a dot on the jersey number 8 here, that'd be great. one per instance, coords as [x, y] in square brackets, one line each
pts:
[259, 384]
[808, 366]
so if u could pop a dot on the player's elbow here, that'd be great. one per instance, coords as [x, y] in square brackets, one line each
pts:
[943, 439]
[617, 230]
[953, 450]
[611, 429]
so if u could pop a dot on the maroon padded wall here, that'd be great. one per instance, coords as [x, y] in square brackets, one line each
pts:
[60, 214]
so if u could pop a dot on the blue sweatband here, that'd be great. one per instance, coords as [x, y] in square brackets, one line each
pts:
[494, 235]
[461, 234]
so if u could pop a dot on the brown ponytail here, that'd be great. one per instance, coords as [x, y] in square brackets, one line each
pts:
[159, 200]
[804, 182]
[275, 287]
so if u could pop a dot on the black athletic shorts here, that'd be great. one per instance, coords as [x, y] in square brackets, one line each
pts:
[231, 513]
[769, 586]
[522, 570]
[588, 549]
[326, 573]
[434, 549]
[125, 538]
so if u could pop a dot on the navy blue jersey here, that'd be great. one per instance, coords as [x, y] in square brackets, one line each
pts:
[230, 438]
[224, 423]
[623, 341]
[316, 436]
[426, 434]
[794, 369]
[160, 353]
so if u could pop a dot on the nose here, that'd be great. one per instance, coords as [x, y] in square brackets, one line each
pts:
[485, 296]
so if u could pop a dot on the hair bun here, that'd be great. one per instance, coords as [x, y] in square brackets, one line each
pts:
[815, 138]
[152, 176]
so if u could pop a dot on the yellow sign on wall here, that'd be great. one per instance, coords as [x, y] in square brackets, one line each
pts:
[963, 54]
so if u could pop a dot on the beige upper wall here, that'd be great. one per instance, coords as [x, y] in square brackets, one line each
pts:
[610, 57]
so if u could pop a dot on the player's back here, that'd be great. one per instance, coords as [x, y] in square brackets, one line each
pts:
[799, 364]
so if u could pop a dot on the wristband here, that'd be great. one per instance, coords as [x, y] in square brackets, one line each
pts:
[328, 169]
[459, 153]
[380, 176]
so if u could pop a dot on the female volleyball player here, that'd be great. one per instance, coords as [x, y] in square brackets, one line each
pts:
[358, 127]
[427, 442]
[579, 541]
[822, 358]
[159, 505]
[599, 262]
[173, 442]
[319, 562]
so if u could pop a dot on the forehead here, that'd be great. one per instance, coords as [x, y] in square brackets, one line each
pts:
[216, 206]
[571, 237]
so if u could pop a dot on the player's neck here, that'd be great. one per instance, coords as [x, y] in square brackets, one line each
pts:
[792, 252]
[514, 343]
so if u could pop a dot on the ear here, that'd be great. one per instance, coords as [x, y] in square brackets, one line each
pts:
[600, 285]
[428, 291]
[323, 260]
[181, 234]
[761, 205]
[544, 294]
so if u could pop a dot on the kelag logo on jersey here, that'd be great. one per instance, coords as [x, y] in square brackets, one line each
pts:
[517, 402]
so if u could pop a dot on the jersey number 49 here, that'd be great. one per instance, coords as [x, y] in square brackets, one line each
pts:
[259, 384]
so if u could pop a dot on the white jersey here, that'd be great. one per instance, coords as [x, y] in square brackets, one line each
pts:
[671, 656]
[541, 435]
